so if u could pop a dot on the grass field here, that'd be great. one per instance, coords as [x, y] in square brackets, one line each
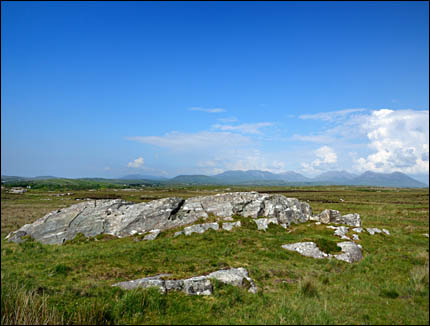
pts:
[71, 284]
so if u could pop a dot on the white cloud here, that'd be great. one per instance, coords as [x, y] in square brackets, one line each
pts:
[137, 163]
[326, 158]
[314, 138]
[214, 110]
[247, 128]
[227, 120]
[330, 116]
[399, 141]
[204, 140]
[107, 168]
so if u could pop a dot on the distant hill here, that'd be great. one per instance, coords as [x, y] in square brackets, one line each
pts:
[193, 179]
[291, 176]
[395, 179]
[238, 177]
[340, 177]
[142, 177]
[250, 177]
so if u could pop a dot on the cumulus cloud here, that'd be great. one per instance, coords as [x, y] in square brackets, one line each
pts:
[214, 110]
[331, 116]
[326, 158]
[399, 141]
[137, 163]
[246, 128]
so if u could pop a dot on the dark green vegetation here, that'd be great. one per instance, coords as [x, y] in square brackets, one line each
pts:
[71, 284]
[243, 178]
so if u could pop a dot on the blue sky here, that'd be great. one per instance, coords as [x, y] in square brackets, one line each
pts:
[166, 88]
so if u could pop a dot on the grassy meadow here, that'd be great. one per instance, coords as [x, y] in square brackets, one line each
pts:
[71, 284]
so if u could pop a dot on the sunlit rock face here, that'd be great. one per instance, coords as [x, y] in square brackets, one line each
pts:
[122, 218]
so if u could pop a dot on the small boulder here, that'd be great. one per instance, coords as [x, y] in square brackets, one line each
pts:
[152, 234]
[230, 226]
[329, 216]
[263, 223]
[372, 231]
[351, 252]
[308, 249]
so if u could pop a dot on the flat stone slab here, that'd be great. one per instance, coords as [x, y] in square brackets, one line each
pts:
[198, 285]
[200, 228]
[351, 252]
[308, 249]
[373, 231]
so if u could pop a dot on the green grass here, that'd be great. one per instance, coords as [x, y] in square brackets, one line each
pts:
[71, 284]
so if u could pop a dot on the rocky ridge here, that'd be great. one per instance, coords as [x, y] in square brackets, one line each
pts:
[121, 218]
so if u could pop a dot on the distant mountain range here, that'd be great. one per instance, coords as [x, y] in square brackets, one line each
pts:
[257, 177]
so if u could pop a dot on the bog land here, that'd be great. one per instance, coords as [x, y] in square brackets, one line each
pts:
[72, 283]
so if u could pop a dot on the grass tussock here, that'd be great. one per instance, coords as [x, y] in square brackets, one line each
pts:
[22, 307]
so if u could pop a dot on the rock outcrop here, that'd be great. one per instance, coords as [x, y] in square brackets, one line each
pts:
[122, 218]
[198, 285]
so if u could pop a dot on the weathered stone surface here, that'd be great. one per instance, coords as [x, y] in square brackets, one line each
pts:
[121, 218]
[200, 228]
[386, 231]
[198, 285]
[333, 216]
[372, 231]
[350, 219]
[355, 237]
[351, 252]
[358, 230]
[426, 235]
[329, 216]
[308, 249]
[263, 223]
[152, 234]
[230, 226]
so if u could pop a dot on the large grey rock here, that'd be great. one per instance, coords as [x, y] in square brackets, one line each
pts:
[198, 285]
[121, 218]
[308, 249]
